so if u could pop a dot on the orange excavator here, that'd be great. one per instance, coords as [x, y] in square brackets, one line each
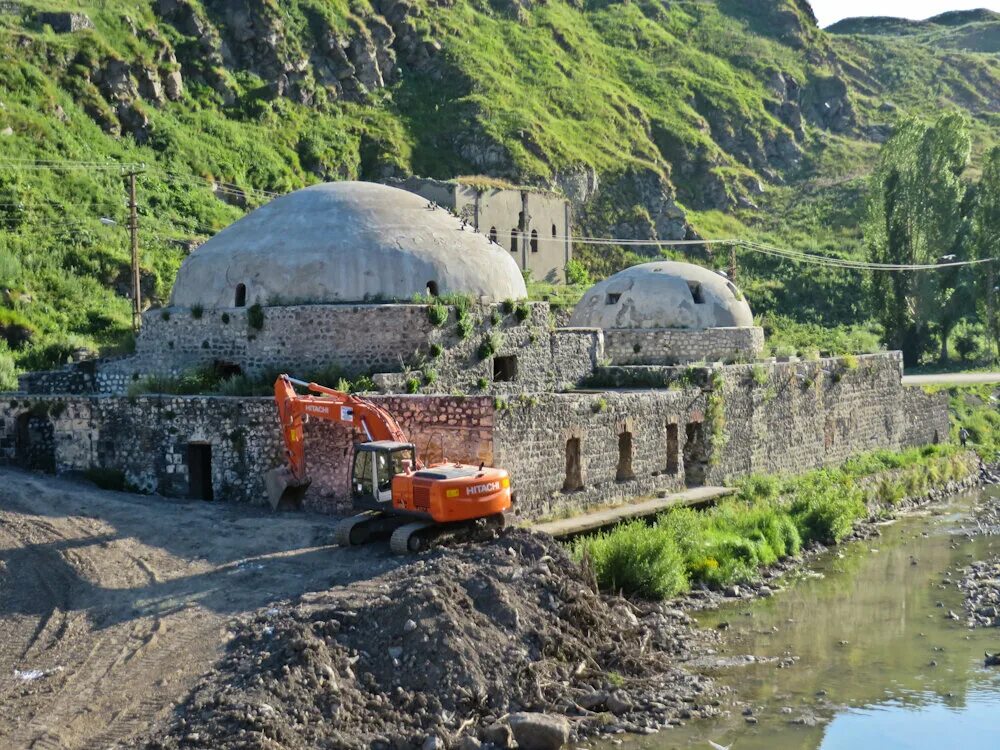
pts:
[391, 490]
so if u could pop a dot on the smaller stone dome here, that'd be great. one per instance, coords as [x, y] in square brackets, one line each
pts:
[664, 294]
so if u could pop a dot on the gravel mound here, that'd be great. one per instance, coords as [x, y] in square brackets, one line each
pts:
[447, 647]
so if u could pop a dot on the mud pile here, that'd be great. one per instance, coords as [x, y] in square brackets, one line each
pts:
[446, 647]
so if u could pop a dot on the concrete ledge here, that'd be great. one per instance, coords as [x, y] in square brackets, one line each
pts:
[609, 516]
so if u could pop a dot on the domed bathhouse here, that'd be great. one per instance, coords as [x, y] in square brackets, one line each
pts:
[668, 313]
[351, 279]
[345, 242]
[652, 387]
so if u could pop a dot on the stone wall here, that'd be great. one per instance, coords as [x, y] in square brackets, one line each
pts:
[672, 346]
[533, 226]
[148, 440]
[563, 450]
[534, 442]
[306, 340]
[791, 417]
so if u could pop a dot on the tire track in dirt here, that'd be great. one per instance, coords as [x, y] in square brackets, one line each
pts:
[131, 597]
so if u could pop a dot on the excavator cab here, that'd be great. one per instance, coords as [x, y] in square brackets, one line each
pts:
[375, 464]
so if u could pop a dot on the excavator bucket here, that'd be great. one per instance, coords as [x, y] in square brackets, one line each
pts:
[284, 491]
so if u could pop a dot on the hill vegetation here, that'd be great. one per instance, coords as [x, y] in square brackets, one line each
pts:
[657, 120]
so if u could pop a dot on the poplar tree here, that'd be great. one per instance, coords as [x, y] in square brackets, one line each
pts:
[916, 215]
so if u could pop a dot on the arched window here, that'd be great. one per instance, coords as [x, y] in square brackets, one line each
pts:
[432, 289]
[554, 231]
[513, 240]
[241, 295]
[493, 234]
[534, 241]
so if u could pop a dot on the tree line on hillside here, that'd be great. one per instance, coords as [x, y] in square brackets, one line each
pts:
[922, 210]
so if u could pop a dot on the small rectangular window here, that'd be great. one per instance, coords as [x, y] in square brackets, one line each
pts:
[504, 369]
[612, 299]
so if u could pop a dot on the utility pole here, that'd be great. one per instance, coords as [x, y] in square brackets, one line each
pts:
[133, 226]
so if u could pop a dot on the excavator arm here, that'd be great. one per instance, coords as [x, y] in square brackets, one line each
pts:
[287, 484]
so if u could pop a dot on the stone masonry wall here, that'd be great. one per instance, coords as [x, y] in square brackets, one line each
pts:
[791, 417]
[400, 340]
[672, 346]
[563, 450]
[532, 443]
[147, 440]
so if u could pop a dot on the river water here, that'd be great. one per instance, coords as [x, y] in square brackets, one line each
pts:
[879, 664]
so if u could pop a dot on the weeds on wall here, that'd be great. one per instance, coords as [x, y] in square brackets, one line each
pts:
[255, 317]
[464, 328]
[197, 311]
[490, 345]
[768, 520]
[715, 418]
[437, 314]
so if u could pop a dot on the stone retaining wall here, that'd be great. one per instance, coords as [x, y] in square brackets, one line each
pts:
[674, 346]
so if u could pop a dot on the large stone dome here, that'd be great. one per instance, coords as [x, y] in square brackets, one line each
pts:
[345, 242]
[663, 295]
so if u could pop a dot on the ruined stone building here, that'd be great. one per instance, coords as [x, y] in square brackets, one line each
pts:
[533, 225]
[657, 383]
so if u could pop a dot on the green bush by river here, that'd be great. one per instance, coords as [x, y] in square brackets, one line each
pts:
[769, 519]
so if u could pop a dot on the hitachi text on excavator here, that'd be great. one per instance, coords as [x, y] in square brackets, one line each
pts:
[392, 492]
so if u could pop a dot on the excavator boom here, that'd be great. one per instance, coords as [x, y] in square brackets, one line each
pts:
[287, 485]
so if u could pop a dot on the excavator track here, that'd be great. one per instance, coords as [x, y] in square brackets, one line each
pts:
[419, 536]
[354, 530]
[407, 539]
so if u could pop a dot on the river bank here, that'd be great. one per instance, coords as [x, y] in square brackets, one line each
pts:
[859, 647]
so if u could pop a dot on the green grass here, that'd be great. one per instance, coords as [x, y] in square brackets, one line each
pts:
[769, 519]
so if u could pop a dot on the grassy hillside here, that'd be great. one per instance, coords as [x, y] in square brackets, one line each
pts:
[714, 119]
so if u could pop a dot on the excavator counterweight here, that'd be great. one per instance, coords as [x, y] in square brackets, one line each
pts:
[392, 491]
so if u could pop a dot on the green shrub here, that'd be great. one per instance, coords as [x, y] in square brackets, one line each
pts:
[430, 376]
[464, 328]
[635, 559]
[522, 312]
[496, 318]
[413, 385]
[437, 314]
[577, 273]
[255, 317]
[482, 384]
[165, 315]
[600, 405]
[225, 318]
[759, 374]
[850, 362]
[197, 311]
[8, 372]
[489, 346]
[507, 306]
[825, 507]
[436, 351]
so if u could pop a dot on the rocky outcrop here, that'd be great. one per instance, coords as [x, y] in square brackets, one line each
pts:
[64, 22]
[826, 103]
[637, 203]
[251, 36]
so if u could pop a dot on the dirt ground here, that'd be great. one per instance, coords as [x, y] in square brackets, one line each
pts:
[112, 605]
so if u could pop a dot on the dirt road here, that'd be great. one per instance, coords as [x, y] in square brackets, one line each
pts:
[112, 604]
